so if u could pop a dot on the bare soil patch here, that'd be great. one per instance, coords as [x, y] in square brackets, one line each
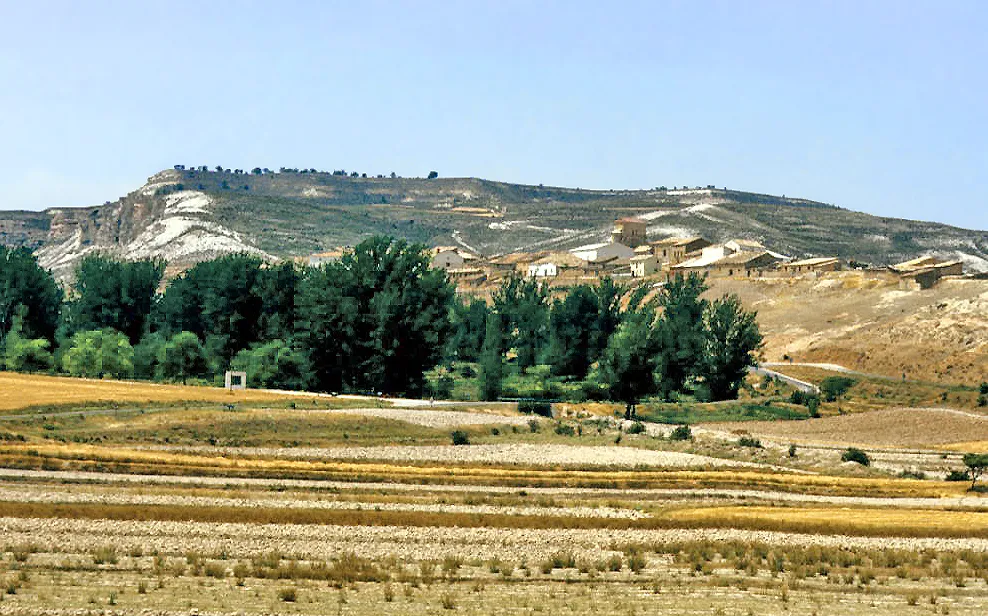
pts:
[902, 427]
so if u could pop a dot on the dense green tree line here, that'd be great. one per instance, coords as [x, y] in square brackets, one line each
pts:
[376, 320]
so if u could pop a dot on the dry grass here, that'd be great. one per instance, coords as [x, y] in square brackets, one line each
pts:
[813, 520]
[57, 456]
[19, 391]
[830, 520]
[883, 428]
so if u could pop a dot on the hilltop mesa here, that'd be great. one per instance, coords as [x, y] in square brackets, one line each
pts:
[187, 215]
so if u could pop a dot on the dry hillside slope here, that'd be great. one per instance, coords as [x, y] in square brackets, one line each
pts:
[186, 215]
[940, 334]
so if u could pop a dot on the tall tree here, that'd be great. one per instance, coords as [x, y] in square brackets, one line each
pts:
[681, 332]
[376, 319]
[732, 339]
[115, 294]
[573, 332]
[523, 305]
[491, 360]
[626, 371]
[220, 302]
[608, 315]
[468, 321]
[24, 283]
[183, 357]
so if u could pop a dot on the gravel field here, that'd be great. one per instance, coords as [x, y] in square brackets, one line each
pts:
[52, 494]
[974, 501]
[902, 427]
[433, 418]
[509, 453]
[323, 542]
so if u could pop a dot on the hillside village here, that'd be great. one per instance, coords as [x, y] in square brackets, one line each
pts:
[630, 253]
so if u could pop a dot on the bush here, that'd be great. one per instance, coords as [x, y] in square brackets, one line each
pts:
[833, 387]
[535, 407]
[958, 476]
[460, 437]
[810, 401]
[565, 430]
[983, 390]
[749, 441]
[274, 364]
[288, 595]
[792, 450]
[636, 428]
[853, 454]
[681, 433]
[982, 400]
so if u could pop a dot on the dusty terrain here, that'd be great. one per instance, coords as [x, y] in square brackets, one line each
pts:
[867, 324]
[898, 428]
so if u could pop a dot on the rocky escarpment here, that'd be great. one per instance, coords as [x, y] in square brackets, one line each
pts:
[161, 219]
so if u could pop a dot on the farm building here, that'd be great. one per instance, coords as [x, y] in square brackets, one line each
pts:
[643, 265]
[629, 232]
[815, 265]
[446, 258]
[673, 250]
[515, 262]
[603, 251]
[748, 263]
[925, 272]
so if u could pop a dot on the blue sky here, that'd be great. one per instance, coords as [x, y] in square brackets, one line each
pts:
[873, 106]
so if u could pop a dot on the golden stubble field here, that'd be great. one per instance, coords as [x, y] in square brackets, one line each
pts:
[18, 391]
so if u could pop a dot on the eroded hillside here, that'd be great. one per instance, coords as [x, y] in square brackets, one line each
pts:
[189, 215]
[870, 325]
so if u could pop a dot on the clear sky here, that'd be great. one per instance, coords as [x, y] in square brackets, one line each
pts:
[874, 106]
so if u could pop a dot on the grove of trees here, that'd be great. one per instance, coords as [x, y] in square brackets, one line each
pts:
[377, 320]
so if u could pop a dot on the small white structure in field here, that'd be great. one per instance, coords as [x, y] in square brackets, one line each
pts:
[235, 380]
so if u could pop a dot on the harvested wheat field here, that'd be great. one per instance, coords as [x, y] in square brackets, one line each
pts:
[18, 391]
[265, 507]
[901, 427]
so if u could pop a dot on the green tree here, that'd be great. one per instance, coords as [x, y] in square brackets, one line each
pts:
[468, 321]
[732, 339]
[147, 356]
[22, 354]
[24, 283]
[681, 332]
[573, 332]
[99, 353]
[377, 319]
[834, 387]
[491, 362]
[627, 369]
[115, 294]
[220, 300]
[608, 315]
[523, 305]
[274, 364]
[976, 464]
[183, 357]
